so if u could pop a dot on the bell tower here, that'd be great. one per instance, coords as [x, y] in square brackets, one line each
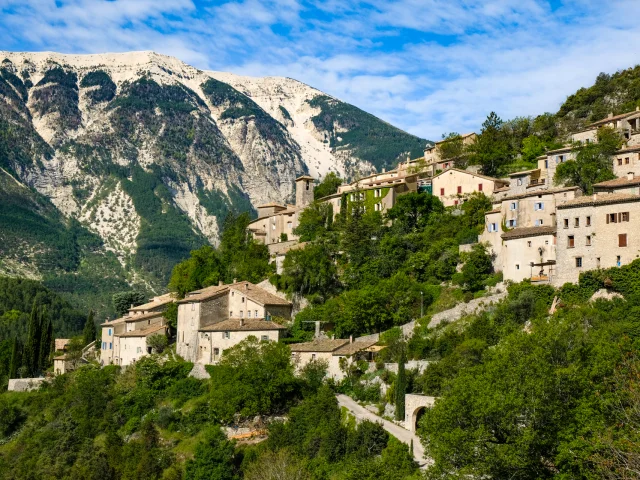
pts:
[304, 191]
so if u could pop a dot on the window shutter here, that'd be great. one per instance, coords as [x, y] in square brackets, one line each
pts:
[607, 218]
[619, 217]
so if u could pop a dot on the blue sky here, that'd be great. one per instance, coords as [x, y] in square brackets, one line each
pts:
[428, 66]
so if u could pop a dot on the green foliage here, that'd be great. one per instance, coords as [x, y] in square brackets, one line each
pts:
[328, 186]
[123, 301]
[238, 257]
[476, 268]
[213, 459]
[400, 389]
[253, 378]
[365, 136]
[106, 90]
[413, 211]
[310, 270]
[491, 150]
[89, 332]
[592, 163]
[314, 222]
[158, 343]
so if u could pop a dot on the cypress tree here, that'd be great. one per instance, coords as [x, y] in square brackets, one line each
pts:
[16, 359]
[89, 331]
[45, 340]
[401, 386]
[31, 353]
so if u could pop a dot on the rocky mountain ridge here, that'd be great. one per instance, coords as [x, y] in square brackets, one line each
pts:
[148, 154]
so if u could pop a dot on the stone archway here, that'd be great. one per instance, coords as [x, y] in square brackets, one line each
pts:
[414, 407]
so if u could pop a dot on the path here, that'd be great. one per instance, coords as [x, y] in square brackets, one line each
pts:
[405, 436]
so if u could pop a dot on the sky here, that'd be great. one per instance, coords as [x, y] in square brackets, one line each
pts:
[427, 66]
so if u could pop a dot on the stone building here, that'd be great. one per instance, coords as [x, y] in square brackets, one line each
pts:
[454, 186]
[596, 231]
[124, 340]
[219, 317]
[337, 353]
[433, 154]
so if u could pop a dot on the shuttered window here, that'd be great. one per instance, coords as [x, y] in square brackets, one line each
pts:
[622, 240]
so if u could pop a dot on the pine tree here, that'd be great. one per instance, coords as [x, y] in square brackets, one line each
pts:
[89, 331]
[45, 340]
[16, 359]
[31, 353]
[401, 386]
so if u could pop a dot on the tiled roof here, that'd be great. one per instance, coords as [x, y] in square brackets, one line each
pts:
[528, 232]
[204, 293]
[132, 318]
[155, 303]
[244, 325]
[495, 210]
[258, 295]
[355, 347]
[271, 204]
[142, 333]
[604, 199]
[611, 119]
[479, 175]
[618, 182]
[463, 136]
[525, 172]
[319, 345]
[535, 193]
[304, 177]
[61, 343]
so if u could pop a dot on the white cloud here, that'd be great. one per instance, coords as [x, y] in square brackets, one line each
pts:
[429, 66]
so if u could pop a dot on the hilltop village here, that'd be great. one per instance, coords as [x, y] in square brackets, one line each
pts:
[537, 230]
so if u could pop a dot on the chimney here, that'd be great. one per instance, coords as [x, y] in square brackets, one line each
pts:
[235, 280]
[595, 197]
[384, 169]
[220, 283]
[246, 286]
[637, 109]
[350, 338]
[630, 176]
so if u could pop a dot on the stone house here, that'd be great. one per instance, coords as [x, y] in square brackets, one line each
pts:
[124, 339]
[334, 352]
[596, 231]
[62, 364]
[529, 253]
[629, 183]
[219, 317]
[453, 186]
[433, 154]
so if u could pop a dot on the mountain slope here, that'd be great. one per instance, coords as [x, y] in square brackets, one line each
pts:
[148, 154]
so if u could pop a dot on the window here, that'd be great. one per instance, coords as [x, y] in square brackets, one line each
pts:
[588, 221]
[566, 223]
[110, 346]
[560, 159]
[241, 314]
[618, 261]
[538, 206]
[289, 225]
[588, 240]
[539, 222]
[546, 164]
[233, 294]
[622, 240]
[442, 191]
[313, 356]
[517, 266]
[264, 337]
[242, 301]
[109, 332]
[512, 223]
[479, 187]
[570, 241]
[626, 161]
[455, 202]
[230, 313]
[104, 345]
[248, 313]
[513, 206]
[351, 197]
[519, 181]
[612, 218]
[624, 217]
[256, 314]
[459, 189]
[598, 262]
[619, 161]
[339, 202]
[576, 222]
[216, 352]
[307, 186]
[377, 192]
[226, 335]
[529, 243]
[273, 226]
[139, 350]
[377, 207]
[578, 262]
[493, 227]
[546, 242]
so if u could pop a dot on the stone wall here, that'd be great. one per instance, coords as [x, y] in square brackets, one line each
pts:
[413, 404]
[462, 309]
[24, 384]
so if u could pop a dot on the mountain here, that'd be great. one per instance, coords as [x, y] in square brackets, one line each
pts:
[117, 165]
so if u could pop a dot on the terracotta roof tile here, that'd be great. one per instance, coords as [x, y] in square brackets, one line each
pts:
[528, 232]
[248, 325]
[355, 347]
[142, 333]
[132, 318]
[618, 182]
[204, 293]
[319, 345]
[603, 199]
[155, 303]
[479, 175]
[535, 193]
[258, 295]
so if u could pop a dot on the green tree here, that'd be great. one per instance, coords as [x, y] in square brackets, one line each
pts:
[89, 330]
[310, 270]
[123, 301]
[532, 148]
[314, 221]
[413, 210]
[491, 150]
[452, 148]
[213, 458]
[46, 340]
[328, 186]
[593, 162]
[401, 385]
[476, 268]
[16, 358]
[158, 343]
[31, 353]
